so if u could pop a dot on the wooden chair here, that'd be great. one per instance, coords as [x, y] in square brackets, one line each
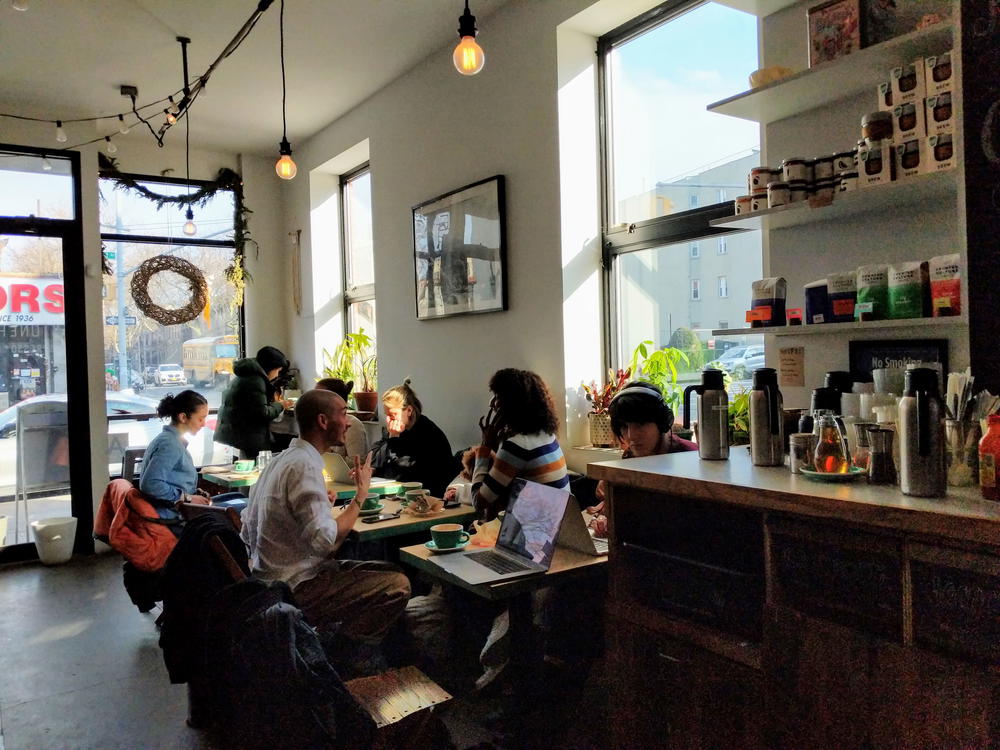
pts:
[397, 700]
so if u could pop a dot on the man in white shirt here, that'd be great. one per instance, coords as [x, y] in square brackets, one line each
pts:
[292, 533]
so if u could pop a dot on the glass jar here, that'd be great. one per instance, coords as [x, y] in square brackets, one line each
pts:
[823, 168]
[794, 169]
[742, 205]
[777, 194]
[876, 126]
[759, 177]
[861, 457]
[830, 456]
[801, 448]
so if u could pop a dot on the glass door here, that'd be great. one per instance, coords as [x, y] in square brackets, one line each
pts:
[42, 460]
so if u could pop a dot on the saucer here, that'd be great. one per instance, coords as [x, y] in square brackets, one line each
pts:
[372, 511]
[822, 476]
[433, 547]
[244, 471]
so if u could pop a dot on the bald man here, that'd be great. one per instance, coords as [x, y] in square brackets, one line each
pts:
[292, 533]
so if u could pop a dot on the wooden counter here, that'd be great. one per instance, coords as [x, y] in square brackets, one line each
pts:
[753, 608]
[963, 515]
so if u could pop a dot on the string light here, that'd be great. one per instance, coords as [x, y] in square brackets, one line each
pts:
[285, 167]
[60, 133]
[19, 4]
[171, 117]
[468, 56]
[112, 148]
[123, 127]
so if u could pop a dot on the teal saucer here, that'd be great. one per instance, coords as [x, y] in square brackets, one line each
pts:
[822, 476]
[433, 547]
[372, 511]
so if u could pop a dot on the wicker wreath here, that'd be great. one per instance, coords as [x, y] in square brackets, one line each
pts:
[162, 315]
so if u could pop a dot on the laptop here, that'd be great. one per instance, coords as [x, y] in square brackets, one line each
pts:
[538, 519]
[337, 468]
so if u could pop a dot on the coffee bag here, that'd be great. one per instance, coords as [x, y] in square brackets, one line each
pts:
[909, 290]
[946, 285]
[843, 291]
[769, 298]
[873, 292]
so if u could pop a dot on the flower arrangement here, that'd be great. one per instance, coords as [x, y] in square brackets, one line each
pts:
[600, 396]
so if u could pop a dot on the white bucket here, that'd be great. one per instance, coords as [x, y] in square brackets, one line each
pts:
[54, 539]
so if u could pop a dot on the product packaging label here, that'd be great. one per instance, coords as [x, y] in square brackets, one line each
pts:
[987, 470]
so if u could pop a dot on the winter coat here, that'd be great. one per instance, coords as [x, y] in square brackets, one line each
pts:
[127, 522]
[246, 412]
[420, 454]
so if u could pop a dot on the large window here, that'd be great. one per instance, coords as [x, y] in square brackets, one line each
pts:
[670, 168]
[359, 252]
[145, 360]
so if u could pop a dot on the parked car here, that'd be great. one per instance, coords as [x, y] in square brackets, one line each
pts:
[122, 434]
[744, 370]
[730, 356]
[169, 375]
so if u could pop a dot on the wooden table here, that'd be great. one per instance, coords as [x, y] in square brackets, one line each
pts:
[226, 477]
[407, 524]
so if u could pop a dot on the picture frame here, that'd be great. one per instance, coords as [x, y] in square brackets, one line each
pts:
[460, 251]
[866, 355]
[834, 30]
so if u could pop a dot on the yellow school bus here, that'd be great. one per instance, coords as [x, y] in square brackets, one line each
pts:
[209, 360]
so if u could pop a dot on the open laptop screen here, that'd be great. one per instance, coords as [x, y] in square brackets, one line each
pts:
[531, 525]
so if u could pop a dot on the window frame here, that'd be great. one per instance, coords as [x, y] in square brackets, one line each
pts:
[723, 286]
[364, 292]
[628, 237]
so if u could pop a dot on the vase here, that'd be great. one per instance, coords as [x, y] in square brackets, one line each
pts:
[601, 435]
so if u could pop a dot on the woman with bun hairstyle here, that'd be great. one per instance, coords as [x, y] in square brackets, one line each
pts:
[415, 449]
[168, 474]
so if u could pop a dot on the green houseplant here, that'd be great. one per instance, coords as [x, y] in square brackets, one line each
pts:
[601, 435]
[355, 359]
[659, 367]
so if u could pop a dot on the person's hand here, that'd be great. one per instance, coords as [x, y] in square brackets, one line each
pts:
[396, 427]
[287, 403]
[362, 474]
[600, 493]
[468, 463]
[596, 509]
[331, 496]
[451, 494]
[599, 525]
[492, 428]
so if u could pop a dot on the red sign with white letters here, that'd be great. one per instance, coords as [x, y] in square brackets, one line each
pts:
[31, 300]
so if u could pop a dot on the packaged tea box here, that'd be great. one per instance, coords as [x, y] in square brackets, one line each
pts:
[873, 292]
[768, 296]
[909, 290]
[842, 289]
[946, 285]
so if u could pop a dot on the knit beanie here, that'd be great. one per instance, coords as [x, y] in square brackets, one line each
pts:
[270, 358]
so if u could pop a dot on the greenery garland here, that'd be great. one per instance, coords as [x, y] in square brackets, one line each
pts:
[226, 179]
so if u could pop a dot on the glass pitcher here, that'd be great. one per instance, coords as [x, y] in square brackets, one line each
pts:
[831, 456]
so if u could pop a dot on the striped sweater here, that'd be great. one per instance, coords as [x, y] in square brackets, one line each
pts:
[537, 458]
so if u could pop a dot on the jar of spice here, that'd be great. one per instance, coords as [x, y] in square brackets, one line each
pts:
[742, 205]
[758, 201]
[876, 126]
[823, 168]
[989, 458]
[759, 177]
[794, 170]
[798, 191]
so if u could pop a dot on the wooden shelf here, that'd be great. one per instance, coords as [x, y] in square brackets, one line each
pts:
[831, 328]
[909, 191]
[760, 8]
[861, 71]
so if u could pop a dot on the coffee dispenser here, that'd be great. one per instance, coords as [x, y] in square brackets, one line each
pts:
[713, 415]
[766, 439]
[921, 436]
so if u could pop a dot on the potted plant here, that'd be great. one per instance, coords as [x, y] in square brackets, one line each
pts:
[659, 367]
[354, 359]
[601, 435]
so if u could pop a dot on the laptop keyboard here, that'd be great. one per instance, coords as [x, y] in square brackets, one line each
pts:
[498, 563]
[601, 545]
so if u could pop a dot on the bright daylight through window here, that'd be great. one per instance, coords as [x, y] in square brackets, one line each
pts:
[359, 255]
[145, 360]
[672, 166]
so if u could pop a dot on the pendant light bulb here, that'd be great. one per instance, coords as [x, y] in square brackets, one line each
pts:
[171, 118]
[189, 225]
[19, 4]
[123, 127]
[285, 167]
[60, 133]
[112, 148]
[468, 56]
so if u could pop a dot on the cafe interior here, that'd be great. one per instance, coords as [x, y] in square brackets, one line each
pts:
[183, 183]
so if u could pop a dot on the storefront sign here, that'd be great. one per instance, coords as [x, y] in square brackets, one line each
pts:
[31, 301]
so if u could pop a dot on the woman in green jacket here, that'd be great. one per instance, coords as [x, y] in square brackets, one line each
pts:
[250, 403]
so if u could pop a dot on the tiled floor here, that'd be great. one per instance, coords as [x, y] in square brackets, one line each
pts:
[80, 669]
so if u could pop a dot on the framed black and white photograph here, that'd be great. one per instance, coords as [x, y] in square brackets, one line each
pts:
[460, 251]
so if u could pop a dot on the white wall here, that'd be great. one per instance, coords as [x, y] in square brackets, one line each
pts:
[266, 296]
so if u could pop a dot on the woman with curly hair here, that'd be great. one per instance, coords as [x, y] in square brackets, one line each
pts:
[519, 435]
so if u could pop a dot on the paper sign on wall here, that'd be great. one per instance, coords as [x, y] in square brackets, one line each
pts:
[792, 366]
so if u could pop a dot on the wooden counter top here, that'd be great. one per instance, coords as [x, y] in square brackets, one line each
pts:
[963, 515]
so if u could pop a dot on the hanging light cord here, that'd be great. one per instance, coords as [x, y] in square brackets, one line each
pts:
[281, 34]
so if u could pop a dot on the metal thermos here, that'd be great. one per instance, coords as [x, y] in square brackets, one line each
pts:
[713, 415]
[766, 438]
[921, 436]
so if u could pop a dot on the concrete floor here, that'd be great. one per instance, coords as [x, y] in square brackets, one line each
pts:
[80, 669]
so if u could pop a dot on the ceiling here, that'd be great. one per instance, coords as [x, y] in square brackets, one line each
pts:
[67, 58]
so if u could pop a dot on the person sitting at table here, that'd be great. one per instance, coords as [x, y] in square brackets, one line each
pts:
[356, 439]
[643, 423]
[292, 535]
[168, 475]
[520, 429]
[415, 450]
[251, 403]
